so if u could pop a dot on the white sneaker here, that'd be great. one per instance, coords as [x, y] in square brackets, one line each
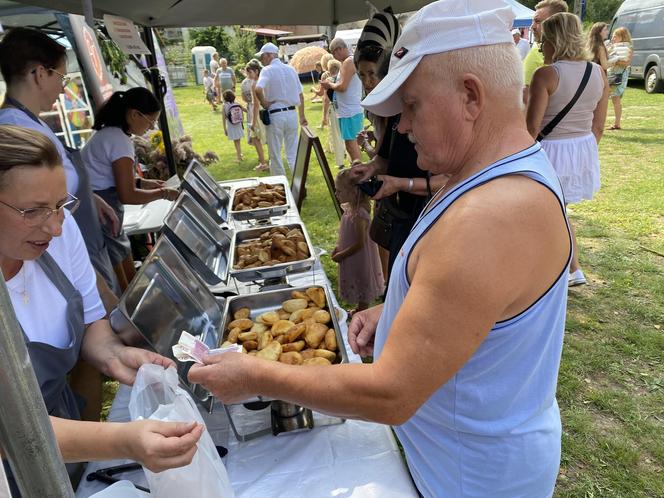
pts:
[577, 278]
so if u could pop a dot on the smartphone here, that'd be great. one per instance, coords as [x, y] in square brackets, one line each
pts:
[371, 186]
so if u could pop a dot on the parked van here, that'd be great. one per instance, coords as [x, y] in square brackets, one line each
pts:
[645, 21]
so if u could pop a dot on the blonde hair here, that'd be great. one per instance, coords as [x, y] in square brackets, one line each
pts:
[595, 42]
[344, 183]
[22, 147]
[334, 63]
[554, 6]
[563, 31]
[623, 34]
[325, 60]
[497, 66]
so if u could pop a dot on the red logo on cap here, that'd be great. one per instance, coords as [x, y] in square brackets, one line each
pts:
[401, 52]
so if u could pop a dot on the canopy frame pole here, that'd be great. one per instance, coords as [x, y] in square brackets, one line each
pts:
[88, 13]
[159, 92]
[26, 435]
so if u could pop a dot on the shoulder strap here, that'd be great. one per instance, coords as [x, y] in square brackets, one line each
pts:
[559, 117]
[56, 275]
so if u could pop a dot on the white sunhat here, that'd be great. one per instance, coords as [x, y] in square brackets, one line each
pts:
[268, 48]
[441, 26]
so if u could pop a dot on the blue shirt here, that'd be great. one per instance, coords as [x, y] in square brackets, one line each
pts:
[493, 430]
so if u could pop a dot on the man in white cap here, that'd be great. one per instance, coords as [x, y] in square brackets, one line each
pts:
[280, 92]
[467, 345]
[521, 45]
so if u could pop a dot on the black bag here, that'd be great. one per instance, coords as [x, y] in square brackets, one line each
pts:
[386, 214]
[264, 114]
[615, 79]
[559, 117]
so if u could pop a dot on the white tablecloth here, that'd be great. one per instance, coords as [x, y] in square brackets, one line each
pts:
[353, 459]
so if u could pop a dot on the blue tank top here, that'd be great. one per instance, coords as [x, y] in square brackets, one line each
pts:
[493, 430]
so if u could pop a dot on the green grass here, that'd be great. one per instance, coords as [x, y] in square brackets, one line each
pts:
[611, 387]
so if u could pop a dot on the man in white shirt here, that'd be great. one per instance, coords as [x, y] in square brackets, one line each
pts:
[279, 91]
[522, 45]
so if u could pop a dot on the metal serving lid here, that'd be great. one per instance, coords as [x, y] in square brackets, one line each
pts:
[213, 198]
[201, 241]
[165, 298]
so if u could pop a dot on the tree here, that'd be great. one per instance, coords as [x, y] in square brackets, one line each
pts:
[242, 47]
[214, 36]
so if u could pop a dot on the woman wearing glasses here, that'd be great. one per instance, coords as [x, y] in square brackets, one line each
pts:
[54, 295]
[33, 66]
[110, 159]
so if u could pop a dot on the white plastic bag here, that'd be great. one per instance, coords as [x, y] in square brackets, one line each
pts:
[156, 396]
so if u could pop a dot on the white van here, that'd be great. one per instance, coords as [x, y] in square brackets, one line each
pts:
[645, 21]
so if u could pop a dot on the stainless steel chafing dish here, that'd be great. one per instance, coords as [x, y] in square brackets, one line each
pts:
[165, 298]
[202, 242]
[259, 213]
[202, 187]
[270, 272]
[284, 417]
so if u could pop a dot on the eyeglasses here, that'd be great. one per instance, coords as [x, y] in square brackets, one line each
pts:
[65, 79]
[34, 217]
[151, 122]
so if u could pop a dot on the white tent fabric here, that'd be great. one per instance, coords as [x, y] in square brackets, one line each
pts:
[524, 15]
[183, 13]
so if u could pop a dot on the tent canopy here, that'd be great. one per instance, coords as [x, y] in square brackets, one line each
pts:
[524, 15]
[187, 13]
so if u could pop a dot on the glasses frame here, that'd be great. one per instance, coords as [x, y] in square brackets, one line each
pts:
[65, 79]
[151, 122]
[72, 203]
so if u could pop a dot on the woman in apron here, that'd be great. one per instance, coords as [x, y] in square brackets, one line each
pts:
[52, 287]
[110, 159]
[34, 68]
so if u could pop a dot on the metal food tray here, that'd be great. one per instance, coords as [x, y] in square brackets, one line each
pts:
[270, 272]
[271, 301]
[259, 213]
[165, 298]
[201, 241]
[202, 187]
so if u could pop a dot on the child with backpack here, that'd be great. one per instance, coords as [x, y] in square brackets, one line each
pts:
[233, 122]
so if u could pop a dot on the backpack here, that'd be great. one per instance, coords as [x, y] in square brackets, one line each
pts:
[235, 114]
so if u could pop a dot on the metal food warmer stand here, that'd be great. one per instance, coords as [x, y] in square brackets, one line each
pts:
[189, 282]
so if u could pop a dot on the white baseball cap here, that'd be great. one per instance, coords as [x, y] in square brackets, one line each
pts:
[268, 48]
[516, 31]
[441, 26]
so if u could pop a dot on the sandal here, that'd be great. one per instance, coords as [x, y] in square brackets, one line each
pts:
[614, 127]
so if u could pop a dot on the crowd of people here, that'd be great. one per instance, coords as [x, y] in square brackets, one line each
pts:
[468, 244]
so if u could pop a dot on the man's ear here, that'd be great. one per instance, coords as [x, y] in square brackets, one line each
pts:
[474, 96]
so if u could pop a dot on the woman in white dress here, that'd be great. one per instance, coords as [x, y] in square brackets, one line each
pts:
[572, 144]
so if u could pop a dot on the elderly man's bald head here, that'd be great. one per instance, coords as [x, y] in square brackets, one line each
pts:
[457, 101]
[497, 66]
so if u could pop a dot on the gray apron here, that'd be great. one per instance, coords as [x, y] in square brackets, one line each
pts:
[86, 214]
[118, 247]
[88, 221]
[51, 364]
